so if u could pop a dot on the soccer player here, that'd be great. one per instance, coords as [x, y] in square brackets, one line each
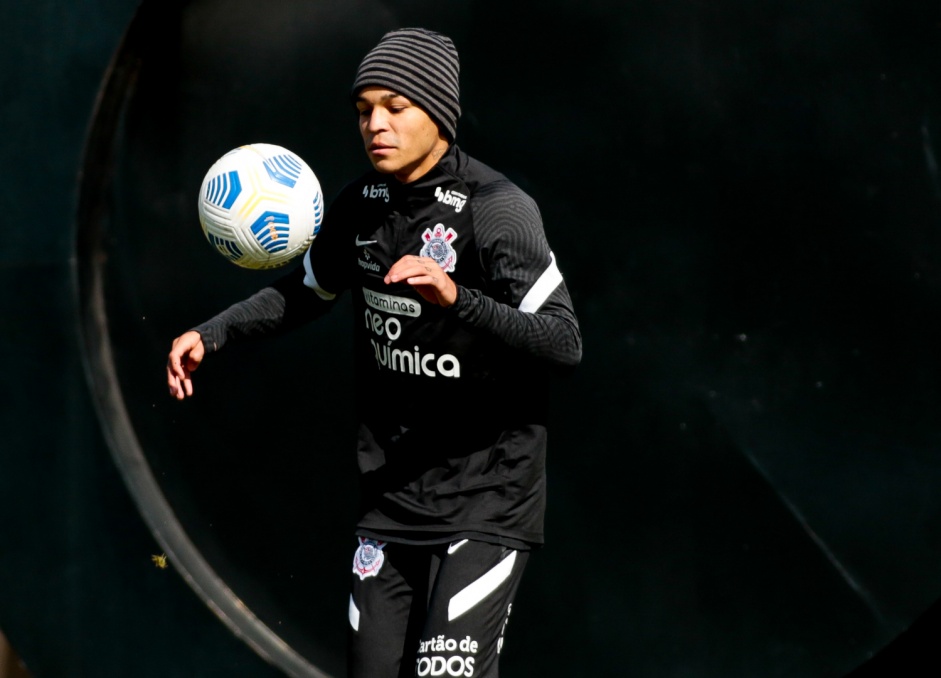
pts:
[462, 316]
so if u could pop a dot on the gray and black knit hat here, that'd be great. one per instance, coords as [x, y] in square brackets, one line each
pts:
[421, 65]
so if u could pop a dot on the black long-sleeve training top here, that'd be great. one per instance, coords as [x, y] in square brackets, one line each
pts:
[450, 401]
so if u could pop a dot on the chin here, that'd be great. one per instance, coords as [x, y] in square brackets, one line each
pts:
[385, 166]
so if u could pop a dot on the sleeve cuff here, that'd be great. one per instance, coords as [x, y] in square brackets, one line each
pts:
[211, 343]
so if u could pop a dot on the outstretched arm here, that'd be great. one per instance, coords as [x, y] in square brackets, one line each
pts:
[286, 304]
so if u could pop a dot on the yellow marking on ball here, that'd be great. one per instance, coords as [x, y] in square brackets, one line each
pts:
[257, 193]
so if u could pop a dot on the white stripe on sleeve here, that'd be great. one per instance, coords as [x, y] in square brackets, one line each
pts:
[354, 614]
[542, 288]
[311, 281]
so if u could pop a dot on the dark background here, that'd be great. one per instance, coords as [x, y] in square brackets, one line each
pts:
[744, 199]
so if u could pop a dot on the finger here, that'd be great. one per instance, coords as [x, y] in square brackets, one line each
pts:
[173, 383]
[410, 263]
[174, 366]
[172, 379]
[418, 280]
[196, 355]
[412, 270]
[182, 365]
[396, 273]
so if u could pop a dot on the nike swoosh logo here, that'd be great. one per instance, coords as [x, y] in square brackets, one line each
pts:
[363, 243]
[455, 546]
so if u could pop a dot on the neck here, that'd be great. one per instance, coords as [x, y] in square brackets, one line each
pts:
[415, 172]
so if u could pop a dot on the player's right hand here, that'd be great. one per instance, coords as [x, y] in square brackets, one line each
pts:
[185, 356]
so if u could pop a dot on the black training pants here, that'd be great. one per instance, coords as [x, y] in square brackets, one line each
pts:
[435, 610]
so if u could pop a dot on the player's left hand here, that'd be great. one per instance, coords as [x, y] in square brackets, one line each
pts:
[426, 276]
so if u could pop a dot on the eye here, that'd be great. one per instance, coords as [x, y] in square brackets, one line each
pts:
[398, 104]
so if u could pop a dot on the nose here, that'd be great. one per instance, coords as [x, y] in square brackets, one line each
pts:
[378, 120]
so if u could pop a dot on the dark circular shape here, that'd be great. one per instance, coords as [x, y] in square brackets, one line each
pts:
[95, 249]
[759, 387]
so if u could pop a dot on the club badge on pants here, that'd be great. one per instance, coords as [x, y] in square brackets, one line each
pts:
[368, 559]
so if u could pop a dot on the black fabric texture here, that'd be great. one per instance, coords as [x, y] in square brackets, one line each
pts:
[451, 401]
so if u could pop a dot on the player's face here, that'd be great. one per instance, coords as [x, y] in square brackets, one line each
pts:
[400, 138]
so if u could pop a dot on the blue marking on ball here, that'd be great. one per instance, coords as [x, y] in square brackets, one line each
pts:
[318, 212]
[227, 248]
[224, 189]
[271, 230]
[284, 169]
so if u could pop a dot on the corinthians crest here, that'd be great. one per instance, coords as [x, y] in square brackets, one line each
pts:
[438, 246]
[368, 558]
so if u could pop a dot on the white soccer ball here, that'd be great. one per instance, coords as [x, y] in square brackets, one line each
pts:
[260, 206]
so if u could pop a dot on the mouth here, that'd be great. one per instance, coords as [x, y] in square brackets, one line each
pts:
[380, 149]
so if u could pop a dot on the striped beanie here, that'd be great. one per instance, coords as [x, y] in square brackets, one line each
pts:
[421, 65]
